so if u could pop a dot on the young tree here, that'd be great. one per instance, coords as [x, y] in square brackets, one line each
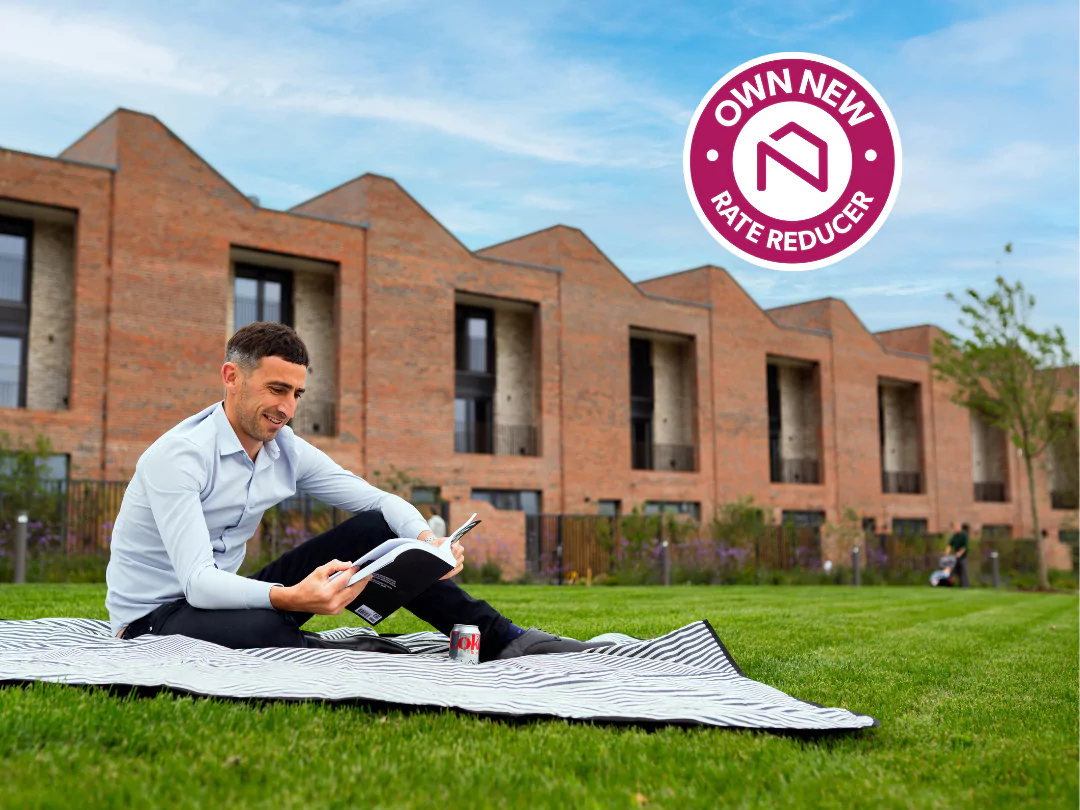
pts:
[1011, 375]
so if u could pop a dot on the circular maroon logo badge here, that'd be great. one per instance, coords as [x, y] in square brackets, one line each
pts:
[792, 161]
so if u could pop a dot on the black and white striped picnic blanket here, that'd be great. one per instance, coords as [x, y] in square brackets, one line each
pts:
[686, 676]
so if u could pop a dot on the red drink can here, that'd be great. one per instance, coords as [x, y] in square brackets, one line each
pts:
[465, 644]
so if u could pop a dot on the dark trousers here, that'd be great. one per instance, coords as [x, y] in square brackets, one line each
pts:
[960, 572]
[442, 605]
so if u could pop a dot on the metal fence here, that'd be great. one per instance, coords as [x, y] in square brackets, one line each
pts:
[496, 439]
[569, 548]
[78, 516]
[563, 549]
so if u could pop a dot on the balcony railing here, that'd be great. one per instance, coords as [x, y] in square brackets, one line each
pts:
[677, 457]
[795, 471]
[9, 385]
[315, 419]
[990, 491]
[902, 483]
[499, 440]
[1064, 499]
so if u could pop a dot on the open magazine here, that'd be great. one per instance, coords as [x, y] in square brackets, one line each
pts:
[400, 569]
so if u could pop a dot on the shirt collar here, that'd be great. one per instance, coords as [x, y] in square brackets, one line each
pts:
[229, 442]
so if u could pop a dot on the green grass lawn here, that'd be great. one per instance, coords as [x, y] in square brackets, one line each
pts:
[976, 692]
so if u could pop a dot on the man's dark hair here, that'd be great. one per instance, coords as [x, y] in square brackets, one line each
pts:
[261, 339]
[964, 527]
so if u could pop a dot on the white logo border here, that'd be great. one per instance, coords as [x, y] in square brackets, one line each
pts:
[893, 190]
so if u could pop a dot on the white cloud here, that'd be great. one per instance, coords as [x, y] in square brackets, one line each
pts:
[1017, 45]
[899, 288]
[538, 106]
[942, 180]
[788, 21]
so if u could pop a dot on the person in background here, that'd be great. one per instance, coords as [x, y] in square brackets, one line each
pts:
[437, 525]
[958, 546]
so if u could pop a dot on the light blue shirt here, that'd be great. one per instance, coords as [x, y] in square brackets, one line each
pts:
[197, 497]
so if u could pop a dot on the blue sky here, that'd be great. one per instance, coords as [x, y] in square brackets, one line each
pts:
[506, 118]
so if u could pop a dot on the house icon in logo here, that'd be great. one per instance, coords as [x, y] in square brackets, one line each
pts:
[766, 150]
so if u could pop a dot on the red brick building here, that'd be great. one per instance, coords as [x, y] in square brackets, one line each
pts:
[532, 374]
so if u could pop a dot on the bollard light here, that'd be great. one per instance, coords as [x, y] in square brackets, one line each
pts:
[20, 548]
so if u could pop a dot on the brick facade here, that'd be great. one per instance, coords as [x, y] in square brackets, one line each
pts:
[149, 293]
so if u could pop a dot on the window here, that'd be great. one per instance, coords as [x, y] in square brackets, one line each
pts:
[474, 382]
[662, 394]
[609, 508]
[900, 437]
[522, 500]
[997, 531]
[15, 246]
[869, 525]
[909, 526]
[692, 508]
[474, 340]
[50, 468]
[11, 372]
[262, 294]
[425, 495]
[641, 404]
[801, 519]
[472, 425]
[791, 388]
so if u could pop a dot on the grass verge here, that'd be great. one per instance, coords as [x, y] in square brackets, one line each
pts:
[976, 692]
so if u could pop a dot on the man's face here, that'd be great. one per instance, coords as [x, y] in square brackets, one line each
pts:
[266, 398]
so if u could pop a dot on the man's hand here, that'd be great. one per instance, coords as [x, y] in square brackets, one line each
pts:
[459, 554]
[317, 593]
[457, 550]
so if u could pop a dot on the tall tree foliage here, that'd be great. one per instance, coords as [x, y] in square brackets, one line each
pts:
[1013, 376]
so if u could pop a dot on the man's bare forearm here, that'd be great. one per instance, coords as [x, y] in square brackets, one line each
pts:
[281, 598]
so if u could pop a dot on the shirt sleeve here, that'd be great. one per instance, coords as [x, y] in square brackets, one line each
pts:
[321, 476]
[174, 476]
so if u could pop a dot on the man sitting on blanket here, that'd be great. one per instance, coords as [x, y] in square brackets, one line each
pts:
[199, 492]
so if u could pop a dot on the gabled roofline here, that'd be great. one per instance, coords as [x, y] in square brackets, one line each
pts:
[362, 225]
[681, 272]
[585, 236]
[804, 303]
[879, 341]
[905, 328]
[874, 335]
[57, 159]
[431, 216]
[187, 146]
[529, 265]
[522, 236]
[669, 299]
[86, 135]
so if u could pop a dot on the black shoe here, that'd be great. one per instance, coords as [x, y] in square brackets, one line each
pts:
[537, 642]
[360, 643]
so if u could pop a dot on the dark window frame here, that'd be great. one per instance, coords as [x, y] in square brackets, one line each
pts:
[920, 487]
[910, 526]
[495, 495]
[692, 508]
[15, 316]
[262, 275]
[463, 313]
[642, 402]
[476, 389]
[605, 505]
